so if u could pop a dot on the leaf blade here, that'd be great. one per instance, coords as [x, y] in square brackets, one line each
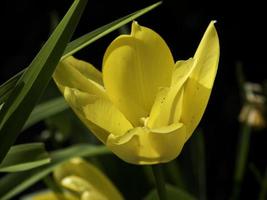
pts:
[34, 80]
[24, 157]
[172, 193]
[92, 36]
[45, 110]
[6, 87]
[80, 43]
[13, 184]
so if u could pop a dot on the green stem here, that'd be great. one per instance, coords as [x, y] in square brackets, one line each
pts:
[241, 159]
[174, 174]
[200, 146]
[160, 182]
[149, 175]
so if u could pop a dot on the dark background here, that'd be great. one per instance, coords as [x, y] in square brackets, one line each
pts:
[26, 25]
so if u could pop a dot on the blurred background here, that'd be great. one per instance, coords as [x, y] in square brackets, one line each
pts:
[26, 25]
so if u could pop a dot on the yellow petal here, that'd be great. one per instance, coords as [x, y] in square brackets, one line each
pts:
[167, 107]
[85, 189]
[198, 87]
[105, 115]
[182, 70]
[52, 196]
[149, 146]
[75, 183]
[81, 84]
[134, 66]
[88, 177]
[45, 196]
[80, 75]
[207, 57]
[155, 118]
[86, 69]
[78, 101]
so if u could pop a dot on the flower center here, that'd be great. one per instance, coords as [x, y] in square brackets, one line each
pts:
[143, 121]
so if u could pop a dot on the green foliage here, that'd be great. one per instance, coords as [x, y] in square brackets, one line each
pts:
[78, 44]
[45, 110]
[24, 157]
[13, 184]
[34, 80]
[30, 163]
[172, 193]
[24, 91]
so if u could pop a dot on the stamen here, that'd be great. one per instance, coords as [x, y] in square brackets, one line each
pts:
[143, 121]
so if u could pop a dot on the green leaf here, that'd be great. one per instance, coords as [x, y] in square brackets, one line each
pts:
[6, 88]
[172, 194]
[46, 109]
[174, 173]
[241, 160]
[13, 184]
[80, 43]
[197, 147]
[34, 80]
[24, 157]
[91, 37]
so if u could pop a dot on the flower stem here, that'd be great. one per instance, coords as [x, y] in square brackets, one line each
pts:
[160, 182]
[241, 159]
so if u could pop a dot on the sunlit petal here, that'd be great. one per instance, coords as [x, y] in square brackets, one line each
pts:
[167, 107]
[105, 115]
[86, 69]
[149, 146]
[134, 67]
[77, 74]
[207, 58]
[198, 87]
[78, 101]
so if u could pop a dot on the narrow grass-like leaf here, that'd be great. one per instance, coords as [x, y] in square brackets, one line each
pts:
[198, 159]
[256, 173]
[46, 109]
[80, 43]
[6, 88]
[91, 37]
[172, 193]
[13, 184]
[241, 159]
[174, 173]
[24, 157]
[34, 80]
[159, 181]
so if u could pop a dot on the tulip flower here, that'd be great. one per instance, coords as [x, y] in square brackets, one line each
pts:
[143, 106]
[82, 181]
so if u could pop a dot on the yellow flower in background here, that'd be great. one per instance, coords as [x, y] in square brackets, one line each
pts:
[51, 196]
[82, 181]
[143, 105]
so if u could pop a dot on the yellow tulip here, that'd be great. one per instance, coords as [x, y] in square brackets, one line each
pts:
[81, 181]
[143, 105]
[85, 179]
